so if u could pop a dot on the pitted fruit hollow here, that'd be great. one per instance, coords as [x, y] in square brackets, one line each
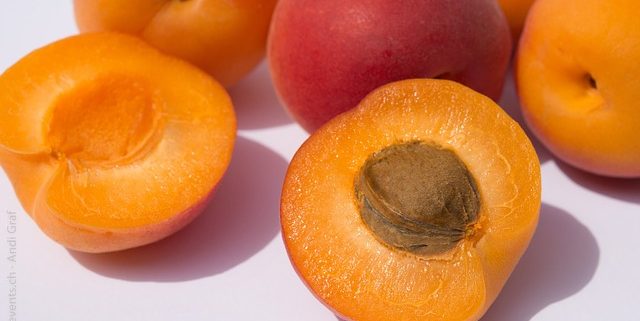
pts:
[104, 120]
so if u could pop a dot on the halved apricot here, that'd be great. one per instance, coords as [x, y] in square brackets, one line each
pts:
[110, 144]
[415, 205]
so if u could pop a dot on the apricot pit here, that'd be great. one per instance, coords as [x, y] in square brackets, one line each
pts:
[417, 197]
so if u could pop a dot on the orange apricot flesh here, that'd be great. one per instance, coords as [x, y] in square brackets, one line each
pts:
[110, 144]
[349, 266]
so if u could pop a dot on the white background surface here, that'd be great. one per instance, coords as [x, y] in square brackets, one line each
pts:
[230, 264]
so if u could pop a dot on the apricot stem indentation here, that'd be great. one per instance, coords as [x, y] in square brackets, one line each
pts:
[592, 82]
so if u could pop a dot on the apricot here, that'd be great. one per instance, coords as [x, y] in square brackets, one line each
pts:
[110, 144]
[516, 13]
[415, 205]
[578, 81]
[224, 38]
[326, 55]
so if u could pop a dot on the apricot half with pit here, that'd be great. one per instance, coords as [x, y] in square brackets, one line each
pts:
[110, 144]
[415, 205]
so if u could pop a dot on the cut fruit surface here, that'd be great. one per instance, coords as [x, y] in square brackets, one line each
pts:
[357, 272]
[110, 144]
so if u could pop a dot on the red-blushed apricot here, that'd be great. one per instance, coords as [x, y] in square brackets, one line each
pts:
[225, 38]
[325, 56]
[415, 205]
[110, 144]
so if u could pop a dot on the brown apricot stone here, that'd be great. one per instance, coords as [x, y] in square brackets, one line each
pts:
[417, 197]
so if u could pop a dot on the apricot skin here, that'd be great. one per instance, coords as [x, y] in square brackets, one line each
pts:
[326, 55]
[358, 277]
[110, 144]
[224, 38]
[516, 13]
[578, 80]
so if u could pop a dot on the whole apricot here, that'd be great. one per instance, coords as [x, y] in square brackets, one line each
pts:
[110, 144]
[225, 38]
[516, 12]
[415, 205]
[578, 77]
[326, 55]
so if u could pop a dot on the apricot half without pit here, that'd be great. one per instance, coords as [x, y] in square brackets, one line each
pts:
[415, 205]
[110, 144]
